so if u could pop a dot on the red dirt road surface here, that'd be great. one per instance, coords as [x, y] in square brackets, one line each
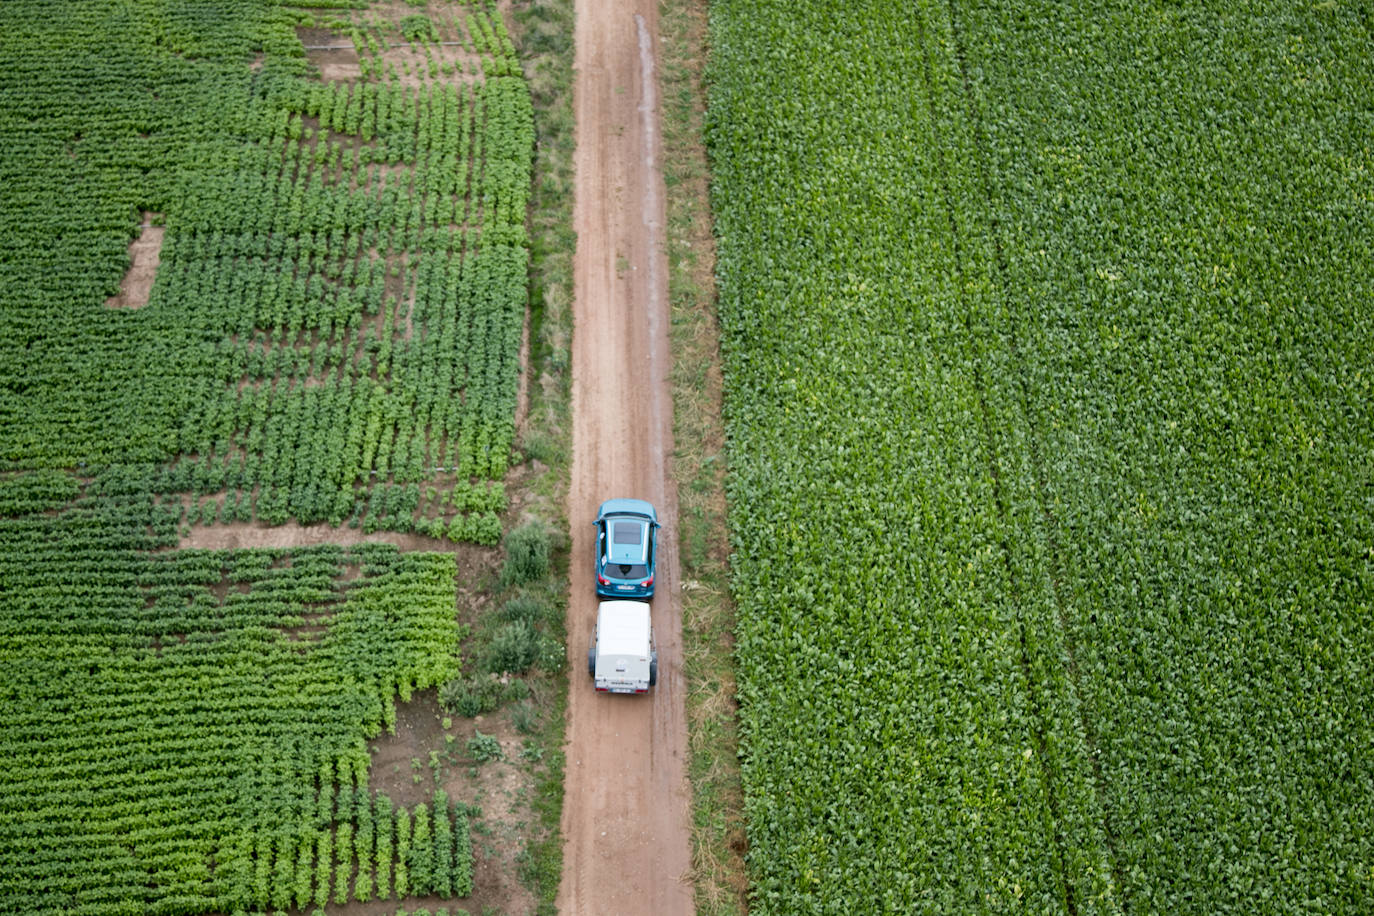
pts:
[626, 808]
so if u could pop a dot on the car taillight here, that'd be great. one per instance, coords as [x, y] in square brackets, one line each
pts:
[602, 580]
[647, 582]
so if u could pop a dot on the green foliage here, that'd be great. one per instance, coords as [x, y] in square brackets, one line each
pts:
[484, 748]
[383, 821]
[418, 28]
[528, 609]
[333, 335]
[471, 696]
[443, 846]
[36, 491]
[480, 694]
[421, 854]
[305, 869]
[527, 554]
[321, 334]
[402, 884]
[513, 648]
[207, 640]
[525, 717]
[1046, 341]
[344, 846]
[364, 848]
[461, 877]
[324, 867]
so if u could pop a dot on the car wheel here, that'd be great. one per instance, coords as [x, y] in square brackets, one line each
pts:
[653, 672]
[591, 662]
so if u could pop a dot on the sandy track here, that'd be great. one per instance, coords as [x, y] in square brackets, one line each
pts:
[626, 808]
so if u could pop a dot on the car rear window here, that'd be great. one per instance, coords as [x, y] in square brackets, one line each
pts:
[628, 571]
[626, 532]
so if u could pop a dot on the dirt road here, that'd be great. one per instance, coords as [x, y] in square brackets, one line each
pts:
[626, 808]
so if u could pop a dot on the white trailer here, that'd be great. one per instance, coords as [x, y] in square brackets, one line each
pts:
[622, 657]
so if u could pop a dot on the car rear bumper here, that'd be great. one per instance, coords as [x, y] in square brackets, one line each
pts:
[610, 686]
[631, 591]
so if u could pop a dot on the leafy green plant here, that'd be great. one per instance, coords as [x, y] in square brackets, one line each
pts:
[443, 845]
[402, 884]
[470, 696]
[324, 866]
[484, 748]
[418, 28]
[383, 821]
[364, 847]
[343, 846]
[421, 853]
[529, 609]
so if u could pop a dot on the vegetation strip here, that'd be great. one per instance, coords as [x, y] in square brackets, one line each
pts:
[699, 466]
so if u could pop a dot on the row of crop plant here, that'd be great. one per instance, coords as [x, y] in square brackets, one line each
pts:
[367, 850]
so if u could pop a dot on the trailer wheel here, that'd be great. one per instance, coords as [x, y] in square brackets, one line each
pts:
[591, 662]
[653, 672]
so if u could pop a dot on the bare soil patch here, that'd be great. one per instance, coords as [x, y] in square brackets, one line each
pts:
[145, 253]
[452, 60]
[336, 64]
[239, 535]
[400, 762]
[332, 52]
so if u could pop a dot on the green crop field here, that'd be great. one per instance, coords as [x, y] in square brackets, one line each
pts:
[1048, 338]
[335, 327]
[332, 335]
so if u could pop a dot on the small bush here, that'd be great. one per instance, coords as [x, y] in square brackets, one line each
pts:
[475, 696]
[470, 696]
[418, 28]
[527, 608]
[513, 648]
[527, 554]
[525, 718]
[540, 447]
[483, 748]
[553, 655]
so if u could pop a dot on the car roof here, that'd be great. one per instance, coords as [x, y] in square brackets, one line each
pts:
[624, 627]
[625, 506]
[620, 550]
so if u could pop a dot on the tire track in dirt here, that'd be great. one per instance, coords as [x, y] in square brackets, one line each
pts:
[626, 816]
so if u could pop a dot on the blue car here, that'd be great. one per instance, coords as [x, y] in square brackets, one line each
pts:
[625, 540]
